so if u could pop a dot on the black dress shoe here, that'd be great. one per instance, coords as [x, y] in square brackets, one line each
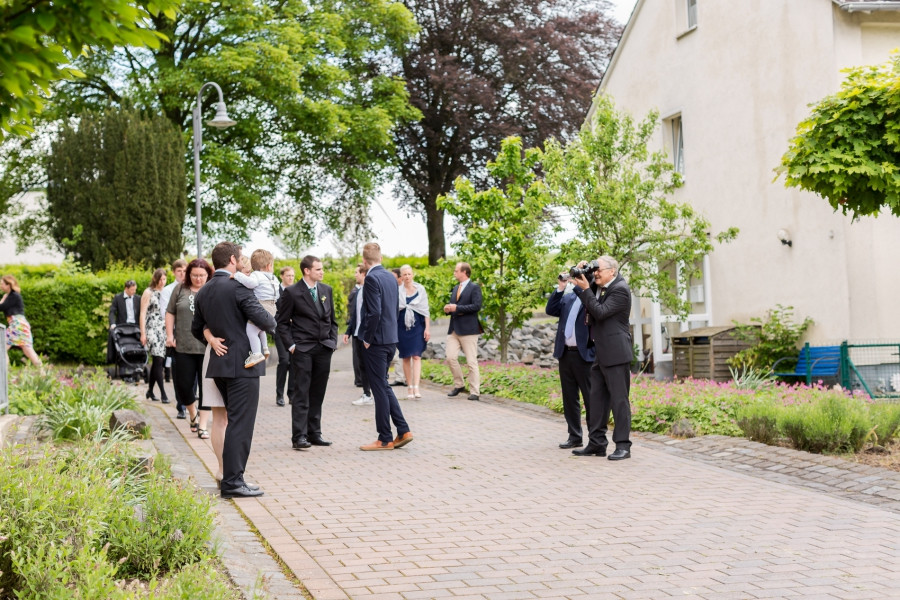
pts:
[181, 414]
[570, 444]
[318, 440]
[590, 451]
[279, 401]
[165, 400]
[473, 397]
[301, 443]
[456, 392]
[241, 492]
[619, 454]
[248, 485]
[149, 396]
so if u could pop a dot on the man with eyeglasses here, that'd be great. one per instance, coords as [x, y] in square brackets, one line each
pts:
[608, 304]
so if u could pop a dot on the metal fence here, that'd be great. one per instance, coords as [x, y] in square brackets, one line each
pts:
[4, 372]
[873, 368]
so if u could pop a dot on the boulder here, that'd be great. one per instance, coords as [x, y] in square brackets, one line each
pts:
[129, 420]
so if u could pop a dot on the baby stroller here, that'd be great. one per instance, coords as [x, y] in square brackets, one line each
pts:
[131, 357]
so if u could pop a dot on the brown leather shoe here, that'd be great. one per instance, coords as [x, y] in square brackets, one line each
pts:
[402, 440]
[377, 445]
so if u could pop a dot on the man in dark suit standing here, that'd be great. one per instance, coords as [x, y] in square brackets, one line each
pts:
[351, 336]
[125, 308]
[284, 357]
[308, 329]
[608, 303]
[378, 332]
[574, 356]
[224, 306]
[465, 302]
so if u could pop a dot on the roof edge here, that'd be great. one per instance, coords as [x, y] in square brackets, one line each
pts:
[614, 59]
[869, 6]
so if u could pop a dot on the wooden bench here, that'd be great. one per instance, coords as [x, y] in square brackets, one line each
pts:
[813, 363]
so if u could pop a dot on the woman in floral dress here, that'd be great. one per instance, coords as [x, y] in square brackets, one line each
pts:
[153, 332]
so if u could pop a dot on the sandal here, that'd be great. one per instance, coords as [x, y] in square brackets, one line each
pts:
[194, 423]
[203, 434]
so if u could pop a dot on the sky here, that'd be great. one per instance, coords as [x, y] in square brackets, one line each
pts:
[394, 229]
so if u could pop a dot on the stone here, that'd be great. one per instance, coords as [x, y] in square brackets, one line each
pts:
[528, 358]
[129, 420]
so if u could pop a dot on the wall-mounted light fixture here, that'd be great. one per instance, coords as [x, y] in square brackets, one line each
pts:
[785, 237]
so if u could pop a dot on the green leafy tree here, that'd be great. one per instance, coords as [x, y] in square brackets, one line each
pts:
[311, 85]
[39, 40]
[848, 150]
[117, 189]
[506, 238]
[618, 195]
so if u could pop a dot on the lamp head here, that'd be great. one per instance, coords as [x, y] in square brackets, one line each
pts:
[221, 120]
[784, 236]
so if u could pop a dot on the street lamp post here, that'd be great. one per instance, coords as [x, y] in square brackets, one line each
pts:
[221, 120]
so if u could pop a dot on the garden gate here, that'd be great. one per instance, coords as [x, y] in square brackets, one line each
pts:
[871, 367]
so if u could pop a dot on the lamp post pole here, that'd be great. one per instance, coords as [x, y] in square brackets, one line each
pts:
[221, 120]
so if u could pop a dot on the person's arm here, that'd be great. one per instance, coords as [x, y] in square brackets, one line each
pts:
[554, 302]
[216, 343]
[475, 305]
[145, 302]
[3, 301]
[617, 300]
[253, 310]
[246, 280]
[284, 310]
[170, 330]
[198, 324]
[113, 313]
[371, 312]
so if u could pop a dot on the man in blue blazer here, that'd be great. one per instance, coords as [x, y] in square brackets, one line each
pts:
[378, 332]
[465, 302]
[574, 356]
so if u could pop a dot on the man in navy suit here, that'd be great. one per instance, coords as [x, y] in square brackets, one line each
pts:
[465, 302]
[308, 329]
[607, 301]
[224, 306]
[125, 308]
[378, 332]
[574, 356]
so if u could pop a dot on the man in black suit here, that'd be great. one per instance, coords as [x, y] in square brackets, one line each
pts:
[282, 372]
[224, 306]
[465, 302]
[571, 349]
[378, 332]
[308, 329]
[608, 303]
[125, 308]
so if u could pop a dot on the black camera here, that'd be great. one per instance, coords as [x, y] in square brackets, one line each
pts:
[587, 271]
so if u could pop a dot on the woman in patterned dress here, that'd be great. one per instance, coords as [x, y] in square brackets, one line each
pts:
[18, 330]
[153, 332]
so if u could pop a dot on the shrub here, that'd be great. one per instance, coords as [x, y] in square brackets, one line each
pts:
[81, 409]
[885, 418]
[79, 518]
[166, 530]
[759, 421]
[775, 338]
[832, 424]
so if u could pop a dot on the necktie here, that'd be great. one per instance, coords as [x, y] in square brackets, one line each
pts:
[315, 294]
[458, 291]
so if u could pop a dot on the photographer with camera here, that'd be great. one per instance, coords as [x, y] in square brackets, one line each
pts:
[571, 349]
[608, 304]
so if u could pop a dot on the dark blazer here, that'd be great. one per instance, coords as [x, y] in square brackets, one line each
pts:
[351, 311]
[224, 306]
[560, 305]
[301, 323]
[118, 310]
[465, 320]
[381, 305]
[608, 320]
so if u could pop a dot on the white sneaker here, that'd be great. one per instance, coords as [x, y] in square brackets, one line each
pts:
[363, 400]
[253, 360]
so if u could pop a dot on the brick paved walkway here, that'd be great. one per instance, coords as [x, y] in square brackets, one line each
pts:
[483, 505]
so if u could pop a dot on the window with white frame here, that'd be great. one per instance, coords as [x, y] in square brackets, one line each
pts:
[676, 142]
[691, 13]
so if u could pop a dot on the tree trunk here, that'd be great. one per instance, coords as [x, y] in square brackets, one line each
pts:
[504, 337]
[434, 221]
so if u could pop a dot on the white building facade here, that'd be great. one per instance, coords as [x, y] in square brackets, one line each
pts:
[731, 81]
